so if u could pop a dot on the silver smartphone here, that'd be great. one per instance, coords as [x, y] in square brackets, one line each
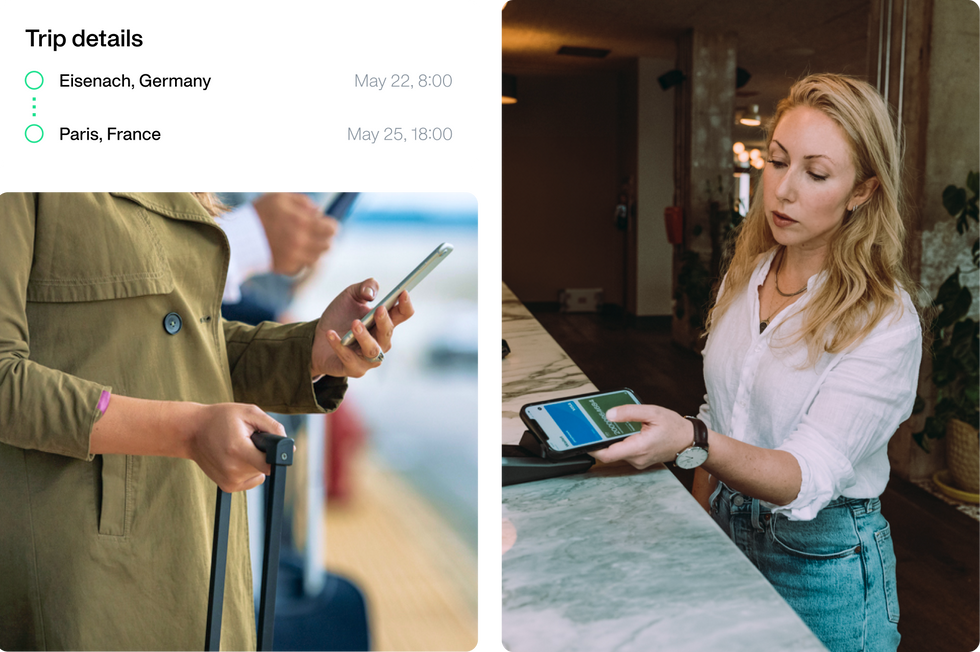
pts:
[408, 283]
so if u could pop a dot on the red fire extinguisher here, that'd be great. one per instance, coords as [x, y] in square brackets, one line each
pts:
[674, 221]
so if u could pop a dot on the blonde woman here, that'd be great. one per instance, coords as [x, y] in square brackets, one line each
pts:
[810, 366]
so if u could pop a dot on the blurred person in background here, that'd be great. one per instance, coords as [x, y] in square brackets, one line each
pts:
[275, 237]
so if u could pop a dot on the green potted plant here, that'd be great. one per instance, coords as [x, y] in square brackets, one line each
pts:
[955, 353]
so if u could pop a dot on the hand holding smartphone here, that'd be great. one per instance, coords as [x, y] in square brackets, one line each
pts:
[339, 207]
[408, 283]
[578, 424]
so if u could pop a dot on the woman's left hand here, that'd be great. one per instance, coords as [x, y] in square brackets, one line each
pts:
[344, 313]
[664, 433]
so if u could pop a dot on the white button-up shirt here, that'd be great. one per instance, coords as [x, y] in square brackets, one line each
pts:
[835, 418]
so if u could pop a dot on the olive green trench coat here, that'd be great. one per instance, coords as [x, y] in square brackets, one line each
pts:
[112, 551]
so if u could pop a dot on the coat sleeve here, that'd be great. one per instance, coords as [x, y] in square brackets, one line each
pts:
[40, 408]
[270, 367]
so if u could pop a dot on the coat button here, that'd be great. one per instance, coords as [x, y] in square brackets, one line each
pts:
[172, 323]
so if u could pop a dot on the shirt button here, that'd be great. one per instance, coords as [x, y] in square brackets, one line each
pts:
[172, 323]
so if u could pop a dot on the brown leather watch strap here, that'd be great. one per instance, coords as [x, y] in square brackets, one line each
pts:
[700, 432]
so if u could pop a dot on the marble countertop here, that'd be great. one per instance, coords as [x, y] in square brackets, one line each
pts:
[537, 369]
[615, 559]
[618, 559]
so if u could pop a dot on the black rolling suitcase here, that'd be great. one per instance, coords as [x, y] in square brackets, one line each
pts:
[279, 454]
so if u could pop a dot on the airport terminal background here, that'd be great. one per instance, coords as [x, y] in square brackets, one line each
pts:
[400, 519]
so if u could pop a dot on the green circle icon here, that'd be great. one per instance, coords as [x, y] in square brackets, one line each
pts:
[38, 132]
[28, 79]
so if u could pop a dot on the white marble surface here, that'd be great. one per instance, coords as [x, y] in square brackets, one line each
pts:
[537, 369]
[618, 559]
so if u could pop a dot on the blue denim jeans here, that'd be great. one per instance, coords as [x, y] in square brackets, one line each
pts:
[836, 571]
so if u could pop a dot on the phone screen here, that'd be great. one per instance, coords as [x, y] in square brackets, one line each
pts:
[582, 421]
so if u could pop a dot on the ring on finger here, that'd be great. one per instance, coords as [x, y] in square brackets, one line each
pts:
[378, 358]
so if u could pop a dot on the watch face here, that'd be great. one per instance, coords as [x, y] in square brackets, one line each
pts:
[691, 457]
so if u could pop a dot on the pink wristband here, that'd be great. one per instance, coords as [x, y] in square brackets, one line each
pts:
[104, 401]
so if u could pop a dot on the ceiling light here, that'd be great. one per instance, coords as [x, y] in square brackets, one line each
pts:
[752, 118]
[754, 154]
[758, 163]
[509, 89]
[738, 148]
[743, 156]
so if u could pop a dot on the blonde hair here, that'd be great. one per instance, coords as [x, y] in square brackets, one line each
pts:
[210, 202]
[865, 266]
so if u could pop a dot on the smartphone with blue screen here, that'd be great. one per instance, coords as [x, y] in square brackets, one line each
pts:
[578, 424]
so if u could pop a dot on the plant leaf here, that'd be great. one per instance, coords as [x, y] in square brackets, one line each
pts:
[973, 182]
[935, 429]
[949, 289]
[955, 310]
[959, 341]
[919, 405]
[946, 408]
[971, 364]
[972, 394]
[943, 370]
[917, 436]
[954, 200]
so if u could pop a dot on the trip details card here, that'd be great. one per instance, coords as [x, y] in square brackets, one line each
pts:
[208, 86]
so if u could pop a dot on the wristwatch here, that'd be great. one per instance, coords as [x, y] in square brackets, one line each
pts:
[694, 455]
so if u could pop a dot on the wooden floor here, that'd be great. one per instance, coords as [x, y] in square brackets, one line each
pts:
[417, 574]
[938, 547]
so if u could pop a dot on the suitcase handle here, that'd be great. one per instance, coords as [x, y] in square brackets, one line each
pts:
[278, 454]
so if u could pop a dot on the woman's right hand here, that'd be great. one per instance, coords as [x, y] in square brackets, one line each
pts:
[220, 443]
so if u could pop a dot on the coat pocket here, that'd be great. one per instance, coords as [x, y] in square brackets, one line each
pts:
[115, 512]
[94, 248]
